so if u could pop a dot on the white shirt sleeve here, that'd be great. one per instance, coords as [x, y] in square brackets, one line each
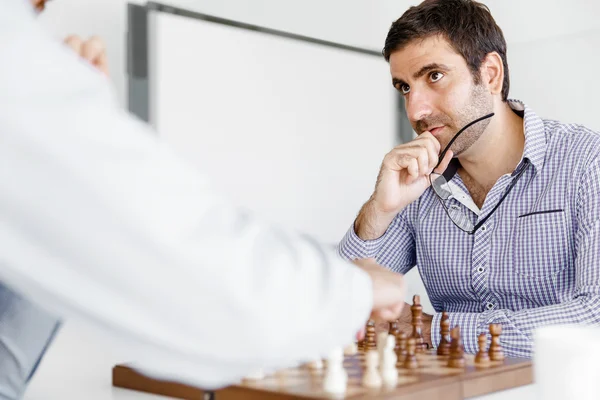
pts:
[99, 220]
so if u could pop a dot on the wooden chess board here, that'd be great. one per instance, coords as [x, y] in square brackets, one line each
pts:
[433, 380]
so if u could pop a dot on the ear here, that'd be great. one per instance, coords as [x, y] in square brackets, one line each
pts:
[492, 72]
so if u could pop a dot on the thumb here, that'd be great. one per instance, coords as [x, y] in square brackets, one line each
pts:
[445, 162]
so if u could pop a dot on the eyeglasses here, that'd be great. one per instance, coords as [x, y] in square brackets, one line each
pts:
[444, 192]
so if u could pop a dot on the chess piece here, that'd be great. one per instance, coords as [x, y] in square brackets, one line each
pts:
[495, 352]
[381, 340]
[393, 328]
[255, 375]
[444, 346]
[395, 331]
[371, 377]
[316, 365]
[401, 339]
[482, 358]
[336, 377]
[410, 362]
[389, 373]
[351, 349]
[457, 351]
[370, 343]
[417, 324]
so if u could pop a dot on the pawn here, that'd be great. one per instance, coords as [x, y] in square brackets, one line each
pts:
[482, 358]
[395, 331]
[393, 328]
[316, 365]
[371, 377]
[495, 352]
[336, 377]
[351, 349]
[381, 340]
[410, 362]
[255, 375]
[401, 352]
[389, 373]
[444, 346]
[457, 351]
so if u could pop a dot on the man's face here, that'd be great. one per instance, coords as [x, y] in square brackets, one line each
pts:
[441, 96]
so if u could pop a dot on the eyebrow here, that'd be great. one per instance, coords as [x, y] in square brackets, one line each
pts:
[424, 70]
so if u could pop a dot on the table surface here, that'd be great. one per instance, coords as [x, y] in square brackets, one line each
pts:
[77, 366]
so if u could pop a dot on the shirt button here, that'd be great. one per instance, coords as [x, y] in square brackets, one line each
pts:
[483, 228]
[480, 269]
[490, 306]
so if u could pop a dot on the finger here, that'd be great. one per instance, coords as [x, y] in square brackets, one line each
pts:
[413, 169]
[445, 162]
[75, 43]
[102, 64]
[94, 51]
[387, 314]
[429, 138]
[422, 152]
[432, 147]
[423, 160]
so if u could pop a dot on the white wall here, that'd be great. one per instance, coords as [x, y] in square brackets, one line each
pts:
[551, 43]
[557, 77]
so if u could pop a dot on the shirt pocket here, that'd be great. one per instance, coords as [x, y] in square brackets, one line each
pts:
[540, 244]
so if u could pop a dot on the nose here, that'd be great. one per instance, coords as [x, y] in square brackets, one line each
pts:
[418, 106]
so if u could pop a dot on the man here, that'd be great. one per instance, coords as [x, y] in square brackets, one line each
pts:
[99, 220]
[510, 233]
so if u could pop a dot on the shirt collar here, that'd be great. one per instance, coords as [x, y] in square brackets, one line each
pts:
[535, 140]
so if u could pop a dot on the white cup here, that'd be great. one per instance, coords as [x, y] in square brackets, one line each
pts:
[566, 363]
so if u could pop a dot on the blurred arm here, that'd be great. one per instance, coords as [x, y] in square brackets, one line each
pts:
[99, 220]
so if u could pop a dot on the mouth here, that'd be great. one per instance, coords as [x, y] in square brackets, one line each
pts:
[437, 130]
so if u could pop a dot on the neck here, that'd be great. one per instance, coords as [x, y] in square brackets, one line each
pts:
[498, 150]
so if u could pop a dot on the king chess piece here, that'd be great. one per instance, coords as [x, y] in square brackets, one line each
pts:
[417, 324]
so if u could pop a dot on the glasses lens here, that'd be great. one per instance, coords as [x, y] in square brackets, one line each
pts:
[461, 219]
[440, 186]
[442, 189]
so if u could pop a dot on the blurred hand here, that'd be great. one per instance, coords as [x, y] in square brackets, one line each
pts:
[404, 324]
[388, 290]
[93, 50]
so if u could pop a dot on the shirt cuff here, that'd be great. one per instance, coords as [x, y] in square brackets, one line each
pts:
[468, 323]
[352, 247]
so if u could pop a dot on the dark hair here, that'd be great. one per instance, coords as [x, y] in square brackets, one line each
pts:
[467, 25]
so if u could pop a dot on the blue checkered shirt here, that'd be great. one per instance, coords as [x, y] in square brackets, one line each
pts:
[535, 260]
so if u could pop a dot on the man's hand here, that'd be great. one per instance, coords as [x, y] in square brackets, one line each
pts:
[93, 50]
[404, 323]
[403, 177]
[388, 290]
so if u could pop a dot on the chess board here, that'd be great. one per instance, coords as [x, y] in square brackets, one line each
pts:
[432, 380]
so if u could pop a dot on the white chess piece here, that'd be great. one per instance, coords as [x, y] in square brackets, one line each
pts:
[371, 377]
[255, 375]
[336, 377]
[316, 365]
[389, 373]
[381, 339]
[351, 349]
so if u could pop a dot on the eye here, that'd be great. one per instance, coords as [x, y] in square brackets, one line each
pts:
[436, 76]
[404, 88]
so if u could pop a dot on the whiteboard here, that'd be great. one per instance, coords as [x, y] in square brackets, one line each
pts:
[291, 129]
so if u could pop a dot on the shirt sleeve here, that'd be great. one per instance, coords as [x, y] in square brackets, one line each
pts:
[101, 221]
[518, 327]
[394, 250]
